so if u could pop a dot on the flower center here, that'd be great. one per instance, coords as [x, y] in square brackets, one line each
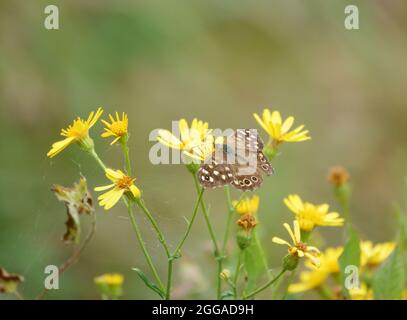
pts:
[301, 246]
[78, 130]
[119, 128]
[125, 182]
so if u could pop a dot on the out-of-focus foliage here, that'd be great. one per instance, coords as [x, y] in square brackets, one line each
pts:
[220, 61]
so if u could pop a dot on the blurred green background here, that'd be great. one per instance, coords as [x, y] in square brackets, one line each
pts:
[216, 60]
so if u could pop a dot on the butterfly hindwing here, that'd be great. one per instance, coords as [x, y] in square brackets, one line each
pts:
[214, 175]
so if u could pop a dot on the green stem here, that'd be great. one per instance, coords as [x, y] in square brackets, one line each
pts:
[263, 256]
[169, 278]
[237, 271]
[217, 254]
[142, 243]
[154, 223]
[229, 219]
[265, 286]
[290, 280]
[181, 243]
[150, 217]
[126, 154]
[98, 160]
[135, 226]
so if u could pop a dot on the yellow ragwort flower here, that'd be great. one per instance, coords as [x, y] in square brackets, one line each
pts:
[195, 141]
[110, 279]
[361, 293]
[246, 205]
[117, 128]
[278, 130]
[316, 277]
[121, 184]
[298, 248]
[309, 280]
[78, 131]
[372, 255]
[310, 215]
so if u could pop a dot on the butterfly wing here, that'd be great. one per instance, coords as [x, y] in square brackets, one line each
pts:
[214, 174]
[245, 170]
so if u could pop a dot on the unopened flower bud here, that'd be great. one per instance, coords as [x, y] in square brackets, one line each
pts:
[290, 262]
[225, 274]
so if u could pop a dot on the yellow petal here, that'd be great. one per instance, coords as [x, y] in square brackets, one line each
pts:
[93, 119]
[111, 198]
[115, 140]
[288, 228]
[315, 261]
[135, 191]
[184, 130]
[276, 118]
[261, 123]
[287, 124]
[167, 138]
[106, 134]
[297, 231]
[113, 175]
[280, 241]
[59, 146]
[103, 188]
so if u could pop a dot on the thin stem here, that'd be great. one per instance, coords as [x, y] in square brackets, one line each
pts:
[194, 213]
[137, 231]
[160, 235]
[263, 256]
[237, 271]
[265, 286]
[290, 280]
[75, 255]
[154, 223]
[98, 160]
[169, 279]
[217, 253]
[229, 219]
[126, 154]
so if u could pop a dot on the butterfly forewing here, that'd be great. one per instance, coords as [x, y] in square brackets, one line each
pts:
[241, 163]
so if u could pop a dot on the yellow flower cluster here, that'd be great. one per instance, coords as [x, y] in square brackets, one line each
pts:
[298, 248]
[195, 141]
[79, 132]
[310, 215]
[372, 255]
[279, 130]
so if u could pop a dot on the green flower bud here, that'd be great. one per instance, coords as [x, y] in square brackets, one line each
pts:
[244, 239]
[290, 262]
[270, 152]
[193, 167]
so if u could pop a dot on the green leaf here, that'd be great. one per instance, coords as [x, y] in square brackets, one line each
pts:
[389, 279]
[349, 257]
[254, 262]
[149, 283]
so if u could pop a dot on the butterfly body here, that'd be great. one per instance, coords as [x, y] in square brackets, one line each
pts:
[240, 162]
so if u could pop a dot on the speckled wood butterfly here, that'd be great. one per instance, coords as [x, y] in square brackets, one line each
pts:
[239, 162]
